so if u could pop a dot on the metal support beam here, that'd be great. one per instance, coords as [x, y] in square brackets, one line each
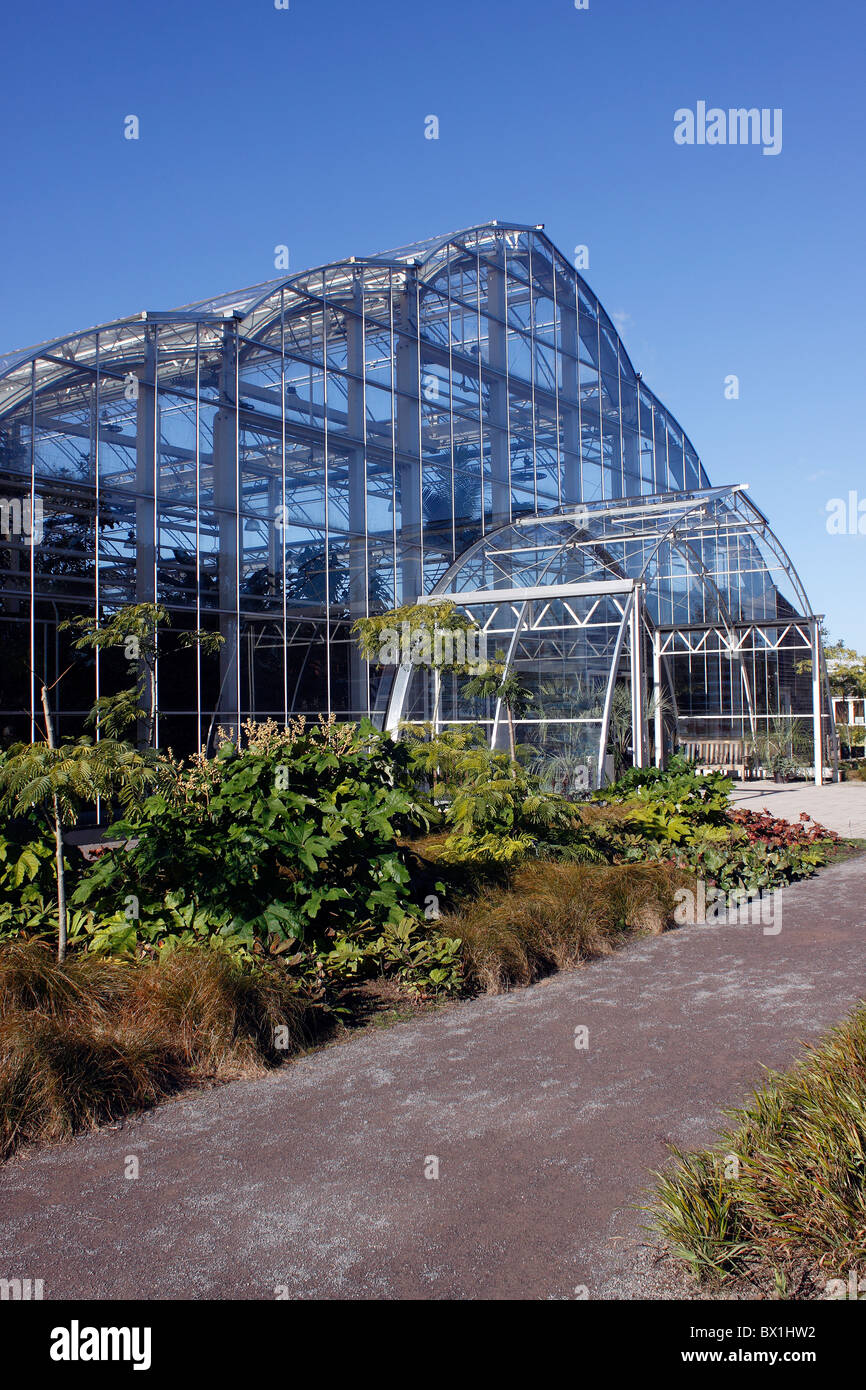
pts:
[637, 683]
[817, 704]
[145, 478]
[587, 588]
[509, 662]
[146, 502]
[408, 429]
[358, 552]
[657, 700]
[227, 504]
[498, 397]
[611, 686]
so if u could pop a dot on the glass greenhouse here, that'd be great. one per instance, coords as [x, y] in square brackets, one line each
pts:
[456, 418]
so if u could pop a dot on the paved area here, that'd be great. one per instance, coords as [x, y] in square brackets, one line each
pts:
[841, 806]
[320, 1182]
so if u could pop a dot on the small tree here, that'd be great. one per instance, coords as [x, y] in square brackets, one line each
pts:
[846, 669]
[135, 629]
[57, 782]
[419, 634]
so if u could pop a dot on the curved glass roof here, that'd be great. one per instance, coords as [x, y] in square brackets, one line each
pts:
[455, 416]
[705, 557]
[121, 342]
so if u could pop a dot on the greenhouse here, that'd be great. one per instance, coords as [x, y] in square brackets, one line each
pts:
[453, 419]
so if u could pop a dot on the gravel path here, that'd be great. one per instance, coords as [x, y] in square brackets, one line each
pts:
[314, 1182]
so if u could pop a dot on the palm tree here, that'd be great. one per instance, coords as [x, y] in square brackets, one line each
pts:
[571, 768]
[620, 729]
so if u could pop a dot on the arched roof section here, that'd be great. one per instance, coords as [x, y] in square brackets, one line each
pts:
[705, 556]
[120, 346]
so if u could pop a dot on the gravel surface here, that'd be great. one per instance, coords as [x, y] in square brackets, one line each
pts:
[314, 1183]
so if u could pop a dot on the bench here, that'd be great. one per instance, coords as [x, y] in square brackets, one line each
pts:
[718, 755]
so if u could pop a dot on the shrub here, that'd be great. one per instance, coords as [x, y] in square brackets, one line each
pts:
[675, 806]
[756, 867]
[288, 841]
[762, 827]
[57, 1078]
[82, 988]
[797, 1187]
[223, 1016]
[735, 850]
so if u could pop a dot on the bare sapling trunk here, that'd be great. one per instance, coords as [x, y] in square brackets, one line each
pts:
[58, 842]
[151, 712]
[61, 883]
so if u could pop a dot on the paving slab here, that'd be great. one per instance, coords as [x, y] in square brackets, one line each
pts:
[841, 806]
[320, 1182]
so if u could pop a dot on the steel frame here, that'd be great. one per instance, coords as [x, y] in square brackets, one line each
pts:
[628, 539]
[278, 461]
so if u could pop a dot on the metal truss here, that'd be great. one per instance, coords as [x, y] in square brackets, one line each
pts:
[459, 414]
[627, 559]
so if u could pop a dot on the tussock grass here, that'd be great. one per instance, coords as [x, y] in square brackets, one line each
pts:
[222, 1017]
[800, 1190]
[57, 1079]
[32, 981]
[95, 1039]
[555, 916]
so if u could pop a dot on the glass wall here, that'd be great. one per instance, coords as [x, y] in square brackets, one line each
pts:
[685, 602]
[275, 463]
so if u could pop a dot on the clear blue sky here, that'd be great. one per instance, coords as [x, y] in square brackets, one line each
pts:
[306, 127]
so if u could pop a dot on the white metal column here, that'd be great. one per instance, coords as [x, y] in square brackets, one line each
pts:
[657, 698]
[637, 690]
[817, 704]
[509, 662]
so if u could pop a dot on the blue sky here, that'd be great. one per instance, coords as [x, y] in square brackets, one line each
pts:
[305, 127]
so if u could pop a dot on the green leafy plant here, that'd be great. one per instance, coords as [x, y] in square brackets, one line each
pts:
[676, 805]
[53, 784]
[26, 882]
[281, 842]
